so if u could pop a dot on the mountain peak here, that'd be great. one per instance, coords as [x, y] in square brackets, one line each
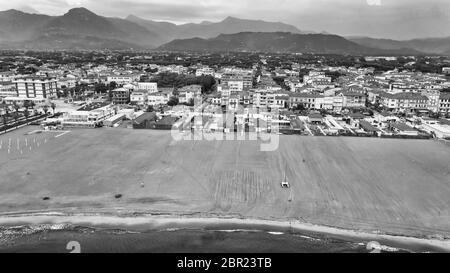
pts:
[132, 17]
[205, 23]
[79, 11]
[231, 19]
[12, 11]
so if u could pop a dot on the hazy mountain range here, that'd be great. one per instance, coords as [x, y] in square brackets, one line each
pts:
[80, 28]
[283, 42]
[430, 45]
[206, 29]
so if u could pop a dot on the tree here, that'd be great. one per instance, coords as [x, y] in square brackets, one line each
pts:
[191, 102]
[300, 107]
[207, 82]
[150, 109]
[100, 88]
[26, 113]
[112, 85]
[173, 101]
[45, 108]
[26, 104]
[6, 115]
[53, 106]
[16, 113]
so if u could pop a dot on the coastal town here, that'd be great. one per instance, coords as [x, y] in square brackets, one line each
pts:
[293, 94]
[228, 129]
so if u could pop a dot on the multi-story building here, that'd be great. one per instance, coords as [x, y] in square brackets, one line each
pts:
[190, 92]
[121, 96]
[315, 101]
[151, 87]
[237, 81]
[215, 99]
[407, 102]
[36, 88]
[159, 98]
[446, 70]
[6, 76]
[7, 89]
[123, 79]
[293, 83]
[139, 97]
[354, 99]
[316, 76]
[204, 71]
[433, 99]
[307, 100]
[444, 103]
[89, 116]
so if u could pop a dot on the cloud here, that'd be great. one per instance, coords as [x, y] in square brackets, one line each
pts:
[374, 2]
[399, 19]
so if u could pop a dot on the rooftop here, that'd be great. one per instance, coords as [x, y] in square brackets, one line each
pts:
[93, 106]
[402, 126]
[368, 127]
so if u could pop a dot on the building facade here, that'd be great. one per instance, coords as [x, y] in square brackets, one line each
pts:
[36, 88]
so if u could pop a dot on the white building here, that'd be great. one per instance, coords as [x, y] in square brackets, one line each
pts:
[150, 87]
[6, 76]
[36, 88]
[158, 99]
[123, 79]
[88, 116]
[205, 71]
[188, 93]
[7, 89]
[139, 97]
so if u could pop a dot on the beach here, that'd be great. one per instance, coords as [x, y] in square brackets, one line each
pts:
[39, 225]
[365, 186]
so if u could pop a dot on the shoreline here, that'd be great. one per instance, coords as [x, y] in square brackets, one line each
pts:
[149, 223]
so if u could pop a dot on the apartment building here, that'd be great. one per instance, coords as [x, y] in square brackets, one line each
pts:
[444, 103]
[190, 92]
[121, 96]
[237, 81]
[446, 70]
[316, 76]
[150, 87]
[123, 79]
[307, 100]
[354, 99]
[6, 76]
[159, 98]
[7, 89]
[433, 99]
[205, 71]
[407, 102]
[139, 97]
[36, 88]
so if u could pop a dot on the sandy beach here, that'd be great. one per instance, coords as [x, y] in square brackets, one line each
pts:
[364, 186]
[58, 221]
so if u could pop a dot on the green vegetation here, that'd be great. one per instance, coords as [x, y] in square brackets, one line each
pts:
[178, 81]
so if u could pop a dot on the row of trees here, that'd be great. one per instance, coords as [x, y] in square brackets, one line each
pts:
[176, 81]
[26, 113]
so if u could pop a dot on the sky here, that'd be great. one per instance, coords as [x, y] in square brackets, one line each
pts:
[394, 19]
